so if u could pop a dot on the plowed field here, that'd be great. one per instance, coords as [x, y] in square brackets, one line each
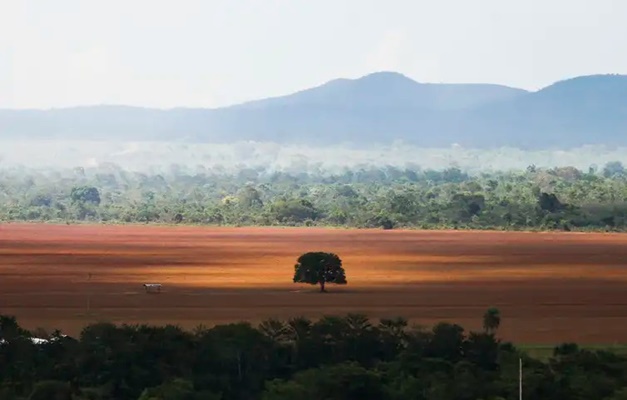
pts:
[550, 287]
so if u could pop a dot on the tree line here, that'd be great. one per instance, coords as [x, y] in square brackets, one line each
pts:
[335, 358]
[370, 197]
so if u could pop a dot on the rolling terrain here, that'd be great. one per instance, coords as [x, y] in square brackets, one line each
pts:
[375, 109]
[550, 287]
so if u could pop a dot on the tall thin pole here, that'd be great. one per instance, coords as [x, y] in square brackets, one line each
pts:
[520, 379]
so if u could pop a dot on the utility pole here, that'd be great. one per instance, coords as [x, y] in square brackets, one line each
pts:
[520, 379]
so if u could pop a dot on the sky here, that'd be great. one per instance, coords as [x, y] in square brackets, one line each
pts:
[212, 53]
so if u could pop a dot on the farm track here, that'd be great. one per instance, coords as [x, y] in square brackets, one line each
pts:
[550, 287]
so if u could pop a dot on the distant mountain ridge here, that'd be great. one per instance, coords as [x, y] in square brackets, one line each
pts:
[388, 90]
[377, 108]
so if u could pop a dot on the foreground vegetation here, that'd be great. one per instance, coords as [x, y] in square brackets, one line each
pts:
[333, 358]
[561, 198]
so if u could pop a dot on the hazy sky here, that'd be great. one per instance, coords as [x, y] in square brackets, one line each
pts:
[208, 53]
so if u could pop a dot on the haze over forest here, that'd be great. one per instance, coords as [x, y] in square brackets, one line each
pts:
[156, 157]
[380, 119]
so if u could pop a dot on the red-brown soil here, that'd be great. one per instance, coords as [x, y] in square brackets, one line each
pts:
[550, 287]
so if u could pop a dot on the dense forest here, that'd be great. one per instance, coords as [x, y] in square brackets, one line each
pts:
[333, 358]
[562, 198]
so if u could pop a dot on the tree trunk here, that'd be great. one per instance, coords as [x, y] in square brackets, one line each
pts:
[322, 287]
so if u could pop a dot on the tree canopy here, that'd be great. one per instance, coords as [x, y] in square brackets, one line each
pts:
[319, 268]
[491, 320]
[365, 197]
[334, 357]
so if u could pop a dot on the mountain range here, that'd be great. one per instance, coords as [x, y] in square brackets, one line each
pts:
[378, 108]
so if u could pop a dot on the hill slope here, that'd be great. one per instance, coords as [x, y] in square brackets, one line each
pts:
[379, 107]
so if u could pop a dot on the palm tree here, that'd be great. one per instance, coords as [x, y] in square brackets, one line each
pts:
[298, 328]
[357, 322]
[276, 330]
[491, 320]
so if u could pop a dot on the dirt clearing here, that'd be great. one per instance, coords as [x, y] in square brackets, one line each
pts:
[550, 287]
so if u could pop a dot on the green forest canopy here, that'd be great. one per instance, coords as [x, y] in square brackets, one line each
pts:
[561, 198]
[336, 358]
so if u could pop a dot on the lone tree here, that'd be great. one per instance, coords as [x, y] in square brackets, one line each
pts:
[319, 268]
[491, 320]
